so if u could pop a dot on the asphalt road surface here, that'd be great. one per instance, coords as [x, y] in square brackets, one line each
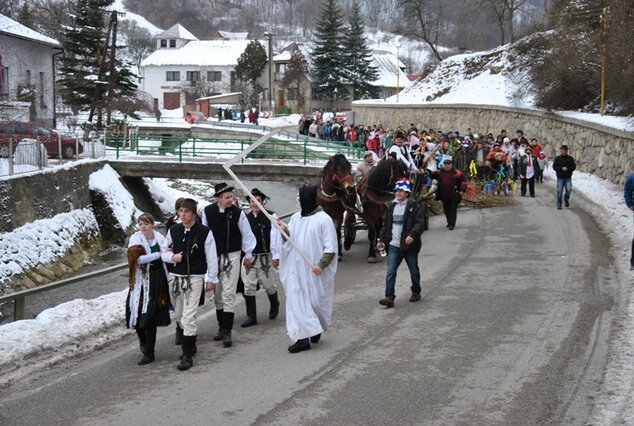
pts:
[511, 330]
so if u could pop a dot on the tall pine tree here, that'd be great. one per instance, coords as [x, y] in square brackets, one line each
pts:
[328, 55]
[84, 72]
[360, 71]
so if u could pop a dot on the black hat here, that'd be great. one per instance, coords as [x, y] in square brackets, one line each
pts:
[564, 147]
[399, 134]
[190, 204]
[256, 192]
[221, 188]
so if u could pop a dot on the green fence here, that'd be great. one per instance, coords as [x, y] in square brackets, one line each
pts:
[187, 147]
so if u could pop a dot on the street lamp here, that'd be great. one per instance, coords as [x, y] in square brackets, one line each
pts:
[270, 35]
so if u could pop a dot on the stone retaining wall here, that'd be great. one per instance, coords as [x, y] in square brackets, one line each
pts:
[43, 195]
[603, 151]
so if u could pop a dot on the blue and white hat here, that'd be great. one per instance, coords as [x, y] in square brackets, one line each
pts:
[403, 184]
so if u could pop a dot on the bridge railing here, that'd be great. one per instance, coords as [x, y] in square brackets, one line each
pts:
[182, 148]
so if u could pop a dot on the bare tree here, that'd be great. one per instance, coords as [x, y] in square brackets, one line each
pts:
[423, 20]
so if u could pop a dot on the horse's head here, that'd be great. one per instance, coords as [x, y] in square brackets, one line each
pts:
[384, 176]
[337, 176]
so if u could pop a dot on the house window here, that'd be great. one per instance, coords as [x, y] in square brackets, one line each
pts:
[41, 91]
[27, 78]
[214, 75]
[291, 93]
[163, 43]
[280, 68]
[4, 83]
[193, 75]
[172, 43]
[172, 76]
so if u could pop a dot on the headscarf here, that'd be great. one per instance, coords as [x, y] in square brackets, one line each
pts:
[308, 199]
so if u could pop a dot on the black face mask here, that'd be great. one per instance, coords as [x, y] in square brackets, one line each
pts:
[308, 199]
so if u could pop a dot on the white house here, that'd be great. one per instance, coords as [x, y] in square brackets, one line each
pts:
[169, 72]
[27, 71]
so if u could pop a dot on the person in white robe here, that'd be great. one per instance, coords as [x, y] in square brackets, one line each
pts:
[309, 287]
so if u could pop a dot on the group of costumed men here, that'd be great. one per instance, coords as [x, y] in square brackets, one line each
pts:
[211, 253]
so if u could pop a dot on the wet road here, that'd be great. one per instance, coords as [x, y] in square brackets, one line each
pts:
[510, 331]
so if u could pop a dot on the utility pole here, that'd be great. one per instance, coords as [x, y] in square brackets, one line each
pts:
[270, 35]
[604, 35]
[112, 80]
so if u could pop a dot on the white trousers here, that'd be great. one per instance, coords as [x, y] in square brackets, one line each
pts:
[185, 297]
[262, 270]
[228, 274]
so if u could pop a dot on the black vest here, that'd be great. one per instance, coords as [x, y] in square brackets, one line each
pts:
[224, 226]
[261, 227]
[192, 245]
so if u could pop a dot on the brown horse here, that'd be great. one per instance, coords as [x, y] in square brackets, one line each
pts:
[375, 191]
[336, 191]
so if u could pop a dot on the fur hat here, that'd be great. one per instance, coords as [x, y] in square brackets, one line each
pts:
[403, 184]
[221, 188]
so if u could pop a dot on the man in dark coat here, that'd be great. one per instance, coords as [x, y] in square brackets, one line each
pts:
[564, 165]
[452, 183]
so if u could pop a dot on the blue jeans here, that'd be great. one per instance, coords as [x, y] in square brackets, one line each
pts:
[561, 184]
[394, 259]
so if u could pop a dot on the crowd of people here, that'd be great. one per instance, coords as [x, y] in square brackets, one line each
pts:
[219, 248]
[215, 249]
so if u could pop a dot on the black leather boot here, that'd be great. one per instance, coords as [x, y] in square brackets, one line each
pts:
[140, 333]
[275, 306]
[252, 318]
[227, 324]
[178, 338]
[148, 350]
[189, 342]
[219, 315]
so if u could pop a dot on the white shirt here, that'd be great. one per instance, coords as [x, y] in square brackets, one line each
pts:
[248, 239]
[402, 154]
[211, 255]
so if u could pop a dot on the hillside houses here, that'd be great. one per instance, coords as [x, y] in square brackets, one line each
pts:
[183, 68]
[27, 73]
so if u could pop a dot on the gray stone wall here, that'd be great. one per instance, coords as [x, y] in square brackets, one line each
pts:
[26, 199]
[603, 151]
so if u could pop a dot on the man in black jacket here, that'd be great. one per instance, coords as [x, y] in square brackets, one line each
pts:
[403, 224]
[452, 183]
[191, 249]
[233, 234]
[564, 165]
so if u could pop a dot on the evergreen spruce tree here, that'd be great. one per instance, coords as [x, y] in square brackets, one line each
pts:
[25, 17]
[328, 56]
[250, 65]
[84, 72]
[360, 71]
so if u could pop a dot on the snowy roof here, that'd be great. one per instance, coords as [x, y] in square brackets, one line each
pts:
[138, 19]
[283, 56]
[226, 35]
[385, 62]
[177, 31]
[10, 27]
[199, 53]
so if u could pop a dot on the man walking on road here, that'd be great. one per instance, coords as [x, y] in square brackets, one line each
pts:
[628, 194]
[452, 183]
[403, 224]
[309, 287]
[266, 258]
[191, 248]
[233, 234]
[564, 165]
